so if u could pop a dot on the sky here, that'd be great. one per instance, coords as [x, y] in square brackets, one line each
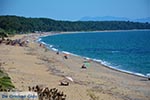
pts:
[76, 9]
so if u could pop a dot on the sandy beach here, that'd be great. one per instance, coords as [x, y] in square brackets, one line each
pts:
[36, 65]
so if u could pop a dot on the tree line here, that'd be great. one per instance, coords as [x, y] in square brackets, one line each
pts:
[17, 24]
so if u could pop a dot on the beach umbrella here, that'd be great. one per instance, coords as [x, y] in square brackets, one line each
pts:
[86, 63]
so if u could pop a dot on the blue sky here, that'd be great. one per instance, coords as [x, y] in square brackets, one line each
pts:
[76, 9]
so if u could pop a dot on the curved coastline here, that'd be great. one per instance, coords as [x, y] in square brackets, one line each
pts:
[36, 65]
[99, 61]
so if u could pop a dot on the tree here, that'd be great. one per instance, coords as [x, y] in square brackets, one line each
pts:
[3, 34]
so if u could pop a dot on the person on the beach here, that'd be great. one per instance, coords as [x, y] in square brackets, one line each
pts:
[57, 52]
[66, 56]
[83, 66]
[40, 44]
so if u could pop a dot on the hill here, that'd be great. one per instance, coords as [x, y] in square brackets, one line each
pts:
[111, 18]
[104, 18]
[16, 24]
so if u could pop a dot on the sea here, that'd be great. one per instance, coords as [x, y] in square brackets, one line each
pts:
[127, 51]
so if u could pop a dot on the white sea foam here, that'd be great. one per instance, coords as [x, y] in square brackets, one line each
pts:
[39, 39]
[50, 46]
[54, 49]
[97, 60]
[105, 63]
[148, 75]
[44, 43]
[66, 52]
[133, 73]
[69, 53]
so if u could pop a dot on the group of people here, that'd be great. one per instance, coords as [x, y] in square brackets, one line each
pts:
[16, 42]
[65, 55]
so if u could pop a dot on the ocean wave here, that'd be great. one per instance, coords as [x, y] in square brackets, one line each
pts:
[148, 75]
[50, 46]
[66, 52]
[43, 43]
[133, 73]
[54, 49]
[109, 65]
[39, 39]
[87, 58]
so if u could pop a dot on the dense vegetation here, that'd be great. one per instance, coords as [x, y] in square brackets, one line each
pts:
[15, 24]
[5, 81]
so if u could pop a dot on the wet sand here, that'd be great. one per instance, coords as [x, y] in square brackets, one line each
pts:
[36, 65]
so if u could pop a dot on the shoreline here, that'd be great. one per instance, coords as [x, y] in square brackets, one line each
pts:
[76, 32]
[36, 65]
[107, 31]
[93, 59]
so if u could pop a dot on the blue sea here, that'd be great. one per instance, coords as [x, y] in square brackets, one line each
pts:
[127, 51]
